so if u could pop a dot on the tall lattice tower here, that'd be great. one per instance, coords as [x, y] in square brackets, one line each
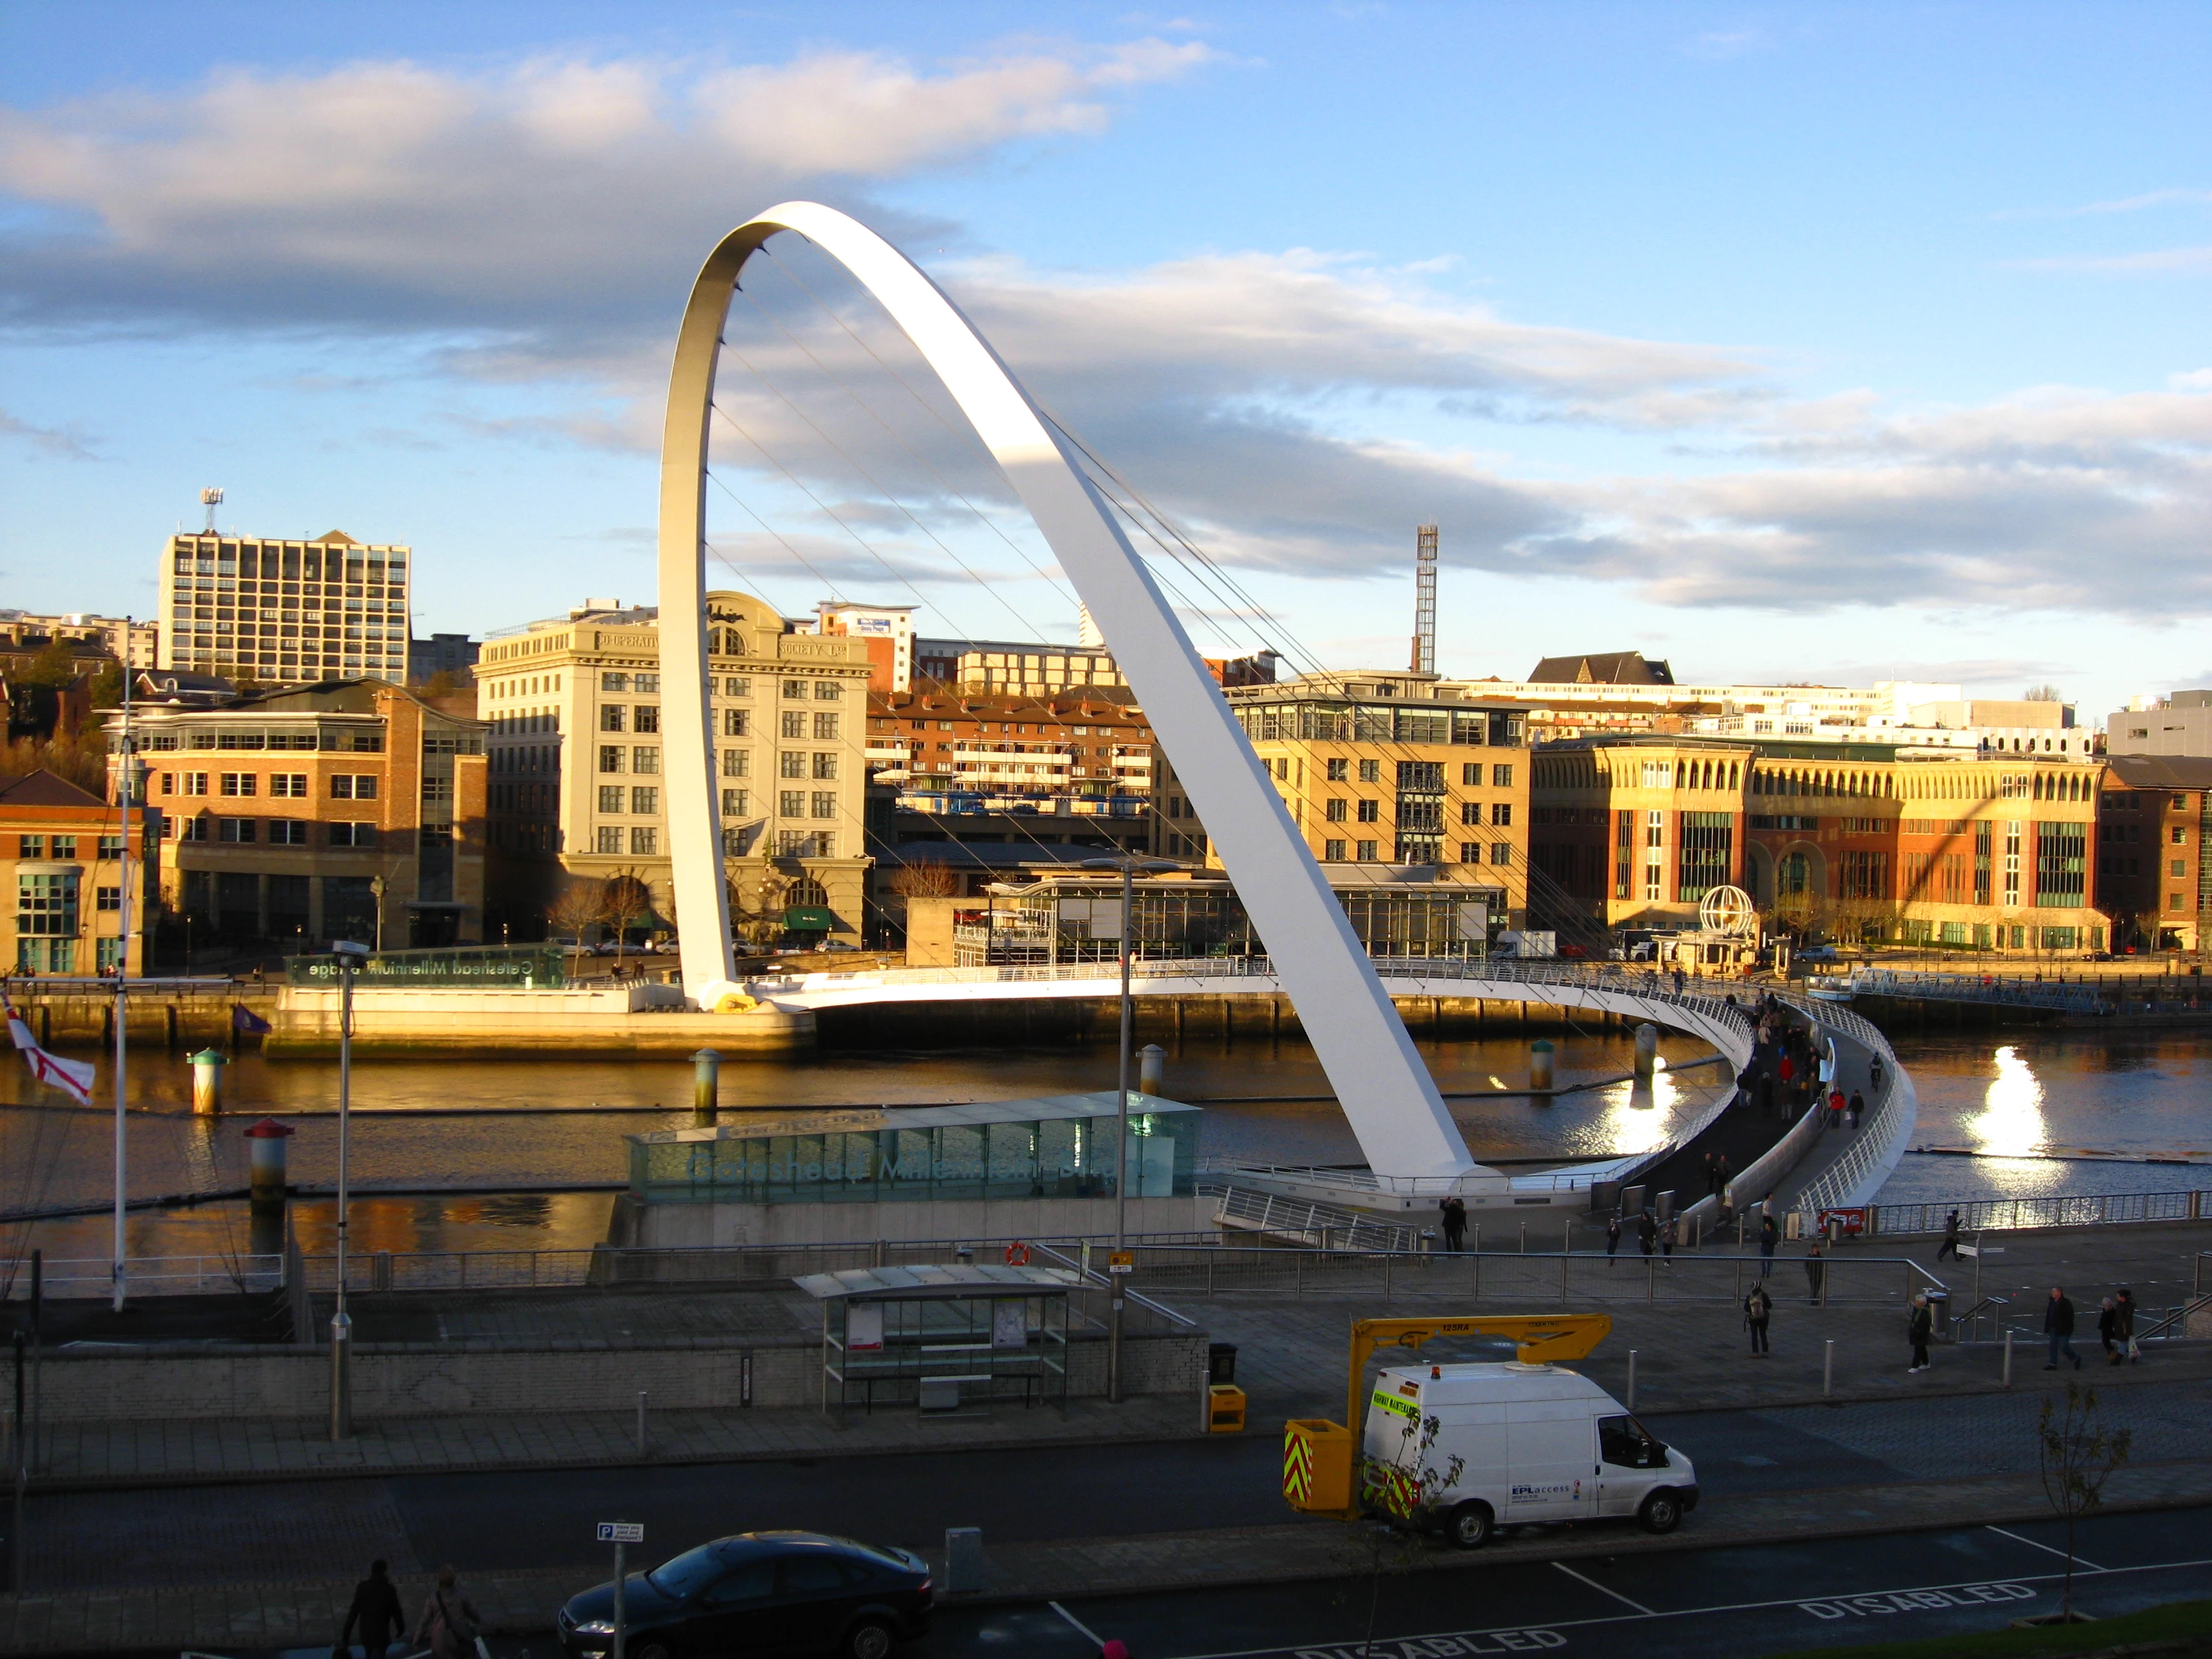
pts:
[1425, 599]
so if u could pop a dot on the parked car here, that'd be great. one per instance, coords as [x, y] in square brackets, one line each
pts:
[759, 1593]
[1819, 953]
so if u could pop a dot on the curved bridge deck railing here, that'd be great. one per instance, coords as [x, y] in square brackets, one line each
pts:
[2059, 994]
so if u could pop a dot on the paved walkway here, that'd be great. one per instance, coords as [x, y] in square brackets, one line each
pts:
[304, 1613]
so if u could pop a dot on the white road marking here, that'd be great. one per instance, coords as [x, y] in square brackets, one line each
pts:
[1691, 1613]
[1089, 1634]
[2046, 1548]
[1602, 1590]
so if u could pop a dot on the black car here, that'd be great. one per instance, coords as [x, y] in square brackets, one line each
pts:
[759, 1593]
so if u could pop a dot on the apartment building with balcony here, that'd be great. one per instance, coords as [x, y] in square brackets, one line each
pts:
[348, 809]
[573, 710]
[284, 612]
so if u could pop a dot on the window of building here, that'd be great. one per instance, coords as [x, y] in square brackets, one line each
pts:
[1366, 852]
[1501, 852]
[646, 683]
[644, 840]
[346, 786]
[1335, 811]
[611, 798]
[1501, 777]
[2062, 865]
[609, 839]
[1338, 769]
[793, 724]
[794, 690]
[648, 718]
[290, 786]
[825, 727]
[828, 691]
[614, 717]
[791, 764]
[107, 898]
[1501, 812]
[734, 686]
[645, 758]
[30, 847]
[1332, 852]
[1370, 771]
[645, 801]
[791, 803]
[614, 680]
[240, 783]
[825, 804]
[355, 835]
[736, 722]
[735, 803]
[437, 789]
[1705, 855]
[610, 757]
[737, 763]
[111, 846]
[1370, 811]
[288, 832]
[825, 764]
[234, 829]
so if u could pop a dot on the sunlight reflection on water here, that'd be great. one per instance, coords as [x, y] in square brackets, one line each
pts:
[2010, 1122]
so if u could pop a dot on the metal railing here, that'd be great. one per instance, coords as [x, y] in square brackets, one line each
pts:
[148, 1275]
[1309, 1223]
[2010, 1214]
[2067, 996]
[1889, 1119]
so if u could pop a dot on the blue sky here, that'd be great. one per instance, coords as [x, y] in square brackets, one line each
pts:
[1817, 342]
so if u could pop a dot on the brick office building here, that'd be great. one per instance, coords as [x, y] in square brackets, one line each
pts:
[2153, 878]
[61, 856]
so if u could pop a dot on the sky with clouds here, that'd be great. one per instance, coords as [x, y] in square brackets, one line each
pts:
[1829, 343]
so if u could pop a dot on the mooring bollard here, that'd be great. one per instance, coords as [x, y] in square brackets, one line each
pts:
[705, 1088]
[1647, 1052]
[2007, 1368]
[1539, 1064]
[207, 1082]
[1630, 1401]
[641, 1422]
[1152, 1068]
[264, 1156]
[1829, 1368]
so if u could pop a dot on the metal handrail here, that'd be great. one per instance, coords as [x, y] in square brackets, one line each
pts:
[151, 1275]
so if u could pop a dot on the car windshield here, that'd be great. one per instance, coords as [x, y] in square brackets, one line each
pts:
[686, 1575]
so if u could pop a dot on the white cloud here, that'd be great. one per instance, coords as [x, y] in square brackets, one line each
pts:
[2171, 261]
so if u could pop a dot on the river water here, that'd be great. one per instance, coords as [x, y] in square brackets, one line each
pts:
[461, 1155]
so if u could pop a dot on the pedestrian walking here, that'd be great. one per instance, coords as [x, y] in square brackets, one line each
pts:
[1680, 979]
[1921, 1329]
[1668, 1235]
[2124, 1305]
[2058, 1329]
[2108, 1327]
[1950, 1245]
[1857, 1109]
[1647, 1232]
[1612, 1237]
[1710, 1185]
[1769, 1237]
[1757, 1309]
[1721, 1174]
[449, 1625]
[1767, 1095]
[376, 1612]
[1816, 1274]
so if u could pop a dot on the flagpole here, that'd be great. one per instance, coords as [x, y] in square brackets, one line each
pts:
[123, 984]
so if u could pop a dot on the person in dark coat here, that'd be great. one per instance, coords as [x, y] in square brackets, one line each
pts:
[1769, 1237]
[2124, 1304]
[1816, 1274]
[1647, 1232]
[1950, 1245]
[376, 1610]
[2108, 1325]
[2058, 1327]
[1757, 1309]
[1920, 1330]
[1455, 1214]
[1611, 1238]
[1857, 1109]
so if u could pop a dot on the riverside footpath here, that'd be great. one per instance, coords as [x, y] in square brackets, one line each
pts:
[228, 1532]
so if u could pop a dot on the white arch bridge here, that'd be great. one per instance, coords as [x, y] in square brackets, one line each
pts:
[1702, 1009]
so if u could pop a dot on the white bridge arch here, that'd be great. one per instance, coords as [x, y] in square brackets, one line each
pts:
[1387, 1094]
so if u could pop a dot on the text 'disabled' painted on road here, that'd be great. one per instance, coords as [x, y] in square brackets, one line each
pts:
[1444, 1647]
[1888, 1602]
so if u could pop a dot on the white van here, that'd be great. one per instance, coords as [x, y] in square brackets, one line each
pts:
[1535, 1442]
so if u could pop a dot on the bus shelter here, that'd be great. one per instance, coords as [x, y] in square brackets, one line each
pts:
[938, 1337]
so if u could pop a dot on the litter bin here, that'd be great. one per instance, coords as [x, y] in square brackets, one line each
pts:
[1939, 1314]
[1220, 1362]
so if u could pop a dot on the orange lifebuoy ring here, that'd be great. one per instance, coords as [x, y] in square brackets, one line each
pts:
[1018, 1255]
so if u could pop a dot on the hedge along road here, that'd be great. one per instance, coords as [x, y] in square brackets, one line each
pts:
[1768, 1599]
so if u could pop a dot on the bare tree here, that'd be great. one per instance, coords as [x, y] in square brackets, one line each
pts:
[2043, 693]
[629, 900]
[925, 878]
[578, 908]
[2077, 1454]
[757, 906]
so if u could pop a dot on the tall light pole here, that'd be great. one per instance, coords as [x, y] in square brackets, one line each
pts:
[1128, 864]
[350, 957]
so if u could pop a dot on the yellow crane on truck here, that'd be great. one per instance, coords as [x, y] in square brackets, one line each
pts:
[1318, 1455]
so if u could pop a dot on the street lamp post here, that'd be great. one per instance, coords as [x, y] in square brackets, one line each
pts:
[350, 957]
[1128, 865]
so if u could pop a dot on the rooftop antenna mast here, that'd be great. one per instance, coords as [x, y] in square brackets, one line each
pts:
[210, 498]
[1425, 599]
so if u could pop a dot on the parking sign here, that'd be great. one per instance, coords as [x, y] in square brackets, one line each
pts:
[622, 1532]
